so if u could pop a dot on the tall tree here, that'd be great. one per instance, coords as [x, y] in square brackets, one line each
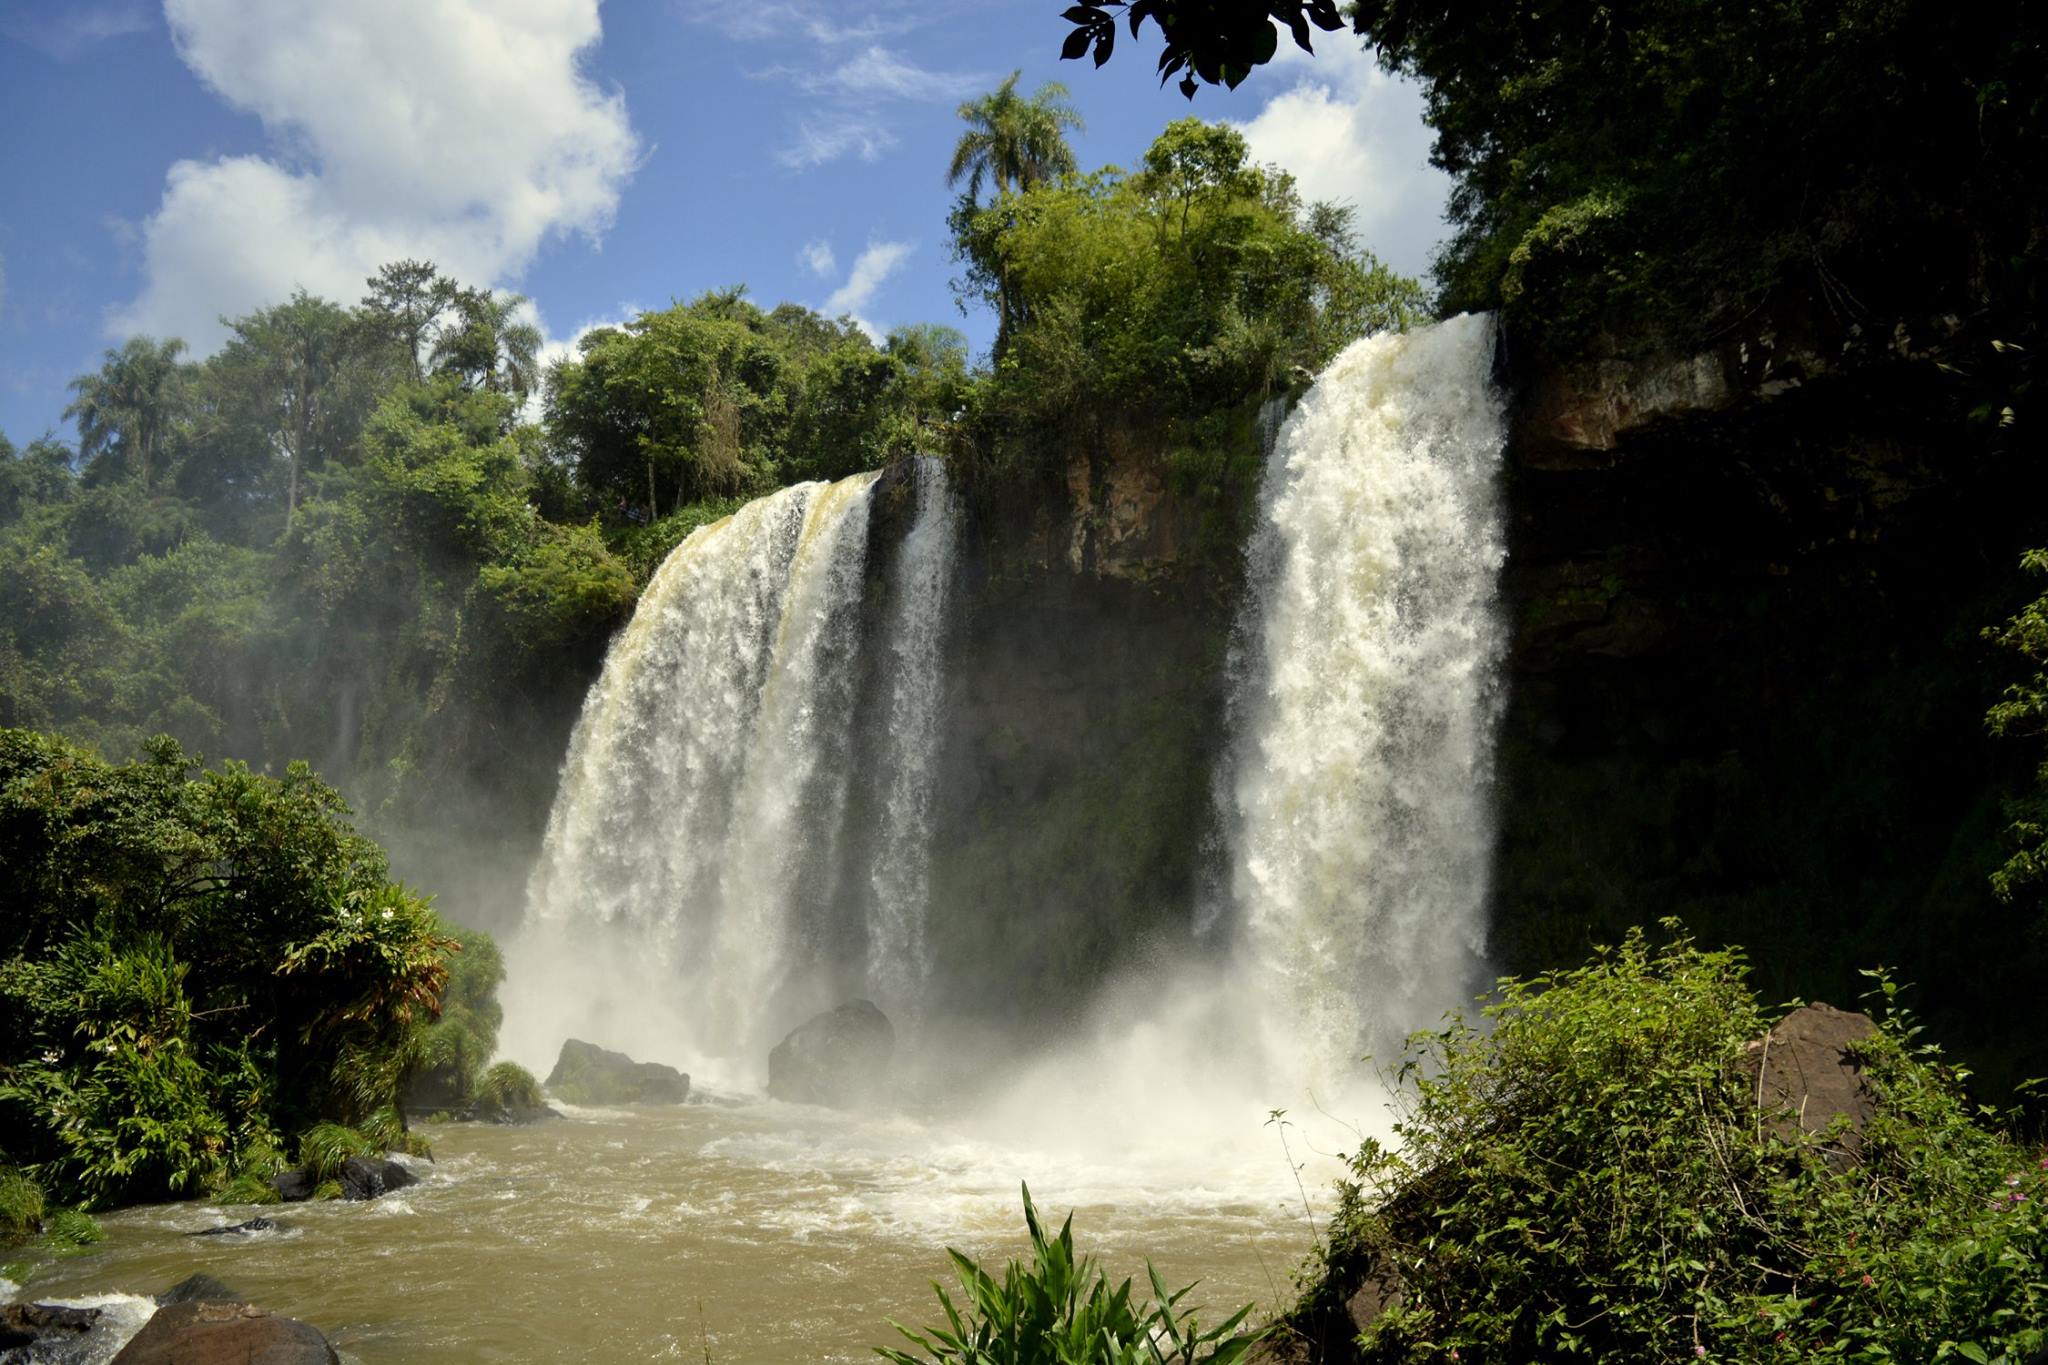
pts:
[128, 409]
[489, 345]
[301, 375]
[1014, 141]
[410, 298]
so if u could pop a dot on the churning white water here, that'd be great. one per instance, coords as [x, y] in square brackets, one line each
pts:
[1356, 795]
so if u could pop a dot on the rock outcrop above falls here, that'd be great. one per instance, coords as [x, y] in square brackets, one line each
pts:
[839, 1058]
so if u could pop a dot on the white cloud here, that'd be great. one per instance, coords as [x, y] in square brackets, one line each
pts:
[870, 271]
[875, 72]
[65, 31]
[462, 131]
[1351, 133]
[819, 141]
[777, 20]
[846, 80]
[817, 258]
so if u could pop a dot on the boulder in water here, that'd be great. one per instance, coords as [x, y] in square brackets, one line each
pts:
[43, 1330]
[254, 1225]
[193, 1288]
[839, 1058]
[294, 1186]
[588, 1074]
[225, 1332]
[364, 1177]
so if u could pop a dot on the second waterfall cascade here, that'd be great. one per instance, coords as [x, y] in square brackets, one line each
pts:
[743, 833]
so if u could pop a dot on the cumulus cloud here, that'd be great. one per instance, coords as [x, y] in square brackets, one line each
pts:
[817, 258]
[1351, 133]
[462, 131]
[870, 271]
[65, 31]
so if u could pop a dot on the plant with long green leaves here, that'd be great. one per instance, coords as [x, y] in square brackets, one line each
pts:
[1061, 1310]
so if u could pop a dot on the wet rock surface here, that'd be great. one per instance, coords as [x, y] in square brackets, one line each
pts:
[212, 1331]
[588, 1074]
[839, 1058]
[369, 1177]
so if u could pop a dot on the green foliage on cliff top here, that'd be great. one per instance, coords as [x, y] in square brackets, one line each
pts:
[1589, 1178]
[193, 963]
[1152, 298]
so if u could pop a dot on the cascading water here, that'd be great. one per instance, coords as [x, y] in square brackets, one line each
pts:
[693, 891]
[1367, 695]
[898, 958]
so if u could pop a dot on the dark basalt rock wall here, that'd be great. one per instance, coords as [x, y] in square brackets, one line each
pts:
[1747, 688]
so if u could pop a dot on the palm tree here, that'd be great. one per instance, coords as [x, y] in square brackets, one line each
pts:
[1013, 141]
[489, 345]
[128, 408]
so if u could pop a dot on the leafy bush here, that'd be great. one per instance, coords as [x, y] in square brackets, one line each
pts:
[1060, 1311]
[507, 1088]
[191, 963]
[449, 1052]
[1590, 1179]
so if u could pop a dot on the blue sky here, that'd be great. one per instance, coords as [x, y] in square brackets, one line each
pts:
[164, 164]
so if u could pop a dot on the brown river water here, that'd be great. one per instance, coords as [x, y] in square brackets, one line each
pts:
[740, 1232]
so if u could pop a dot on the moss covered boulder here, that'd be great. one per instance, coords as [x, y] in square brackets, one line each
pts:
[588, 1074]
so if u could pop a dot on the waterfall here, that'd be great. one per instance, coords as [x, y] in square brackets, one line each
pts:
[1366, 698]
[899, 959]
[699, 846]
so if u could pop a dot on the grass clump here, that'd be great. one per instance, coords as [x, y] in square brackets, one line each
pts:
[507, 1088]
[1062, 1311]
[21, 1206]
[1591, 1179]
[71, 1230]
[324, 1147]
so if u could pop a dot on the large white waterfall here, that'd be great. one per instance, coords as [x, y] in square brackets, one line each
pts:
[698, 845]
[1356, 798]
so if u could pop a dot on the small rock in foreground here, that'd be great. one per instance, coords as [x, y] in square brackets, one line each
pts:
[210, 1331]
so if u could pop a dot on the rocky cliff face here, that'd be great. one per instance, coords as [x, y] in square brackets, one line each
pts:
[1747, 685]
[1085, 677]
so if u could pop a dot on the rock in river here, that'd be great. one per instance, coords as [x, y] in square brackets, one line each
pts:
[225, 1332]
[588, 1074]
[839, 1058]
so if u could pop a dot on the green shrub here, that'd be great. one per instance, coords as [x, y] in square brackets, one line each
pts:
[21, 1206]
[325, 1146]
[247, 1187]
[1590, 1179]
[1060, 1311]
[508, 1088]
